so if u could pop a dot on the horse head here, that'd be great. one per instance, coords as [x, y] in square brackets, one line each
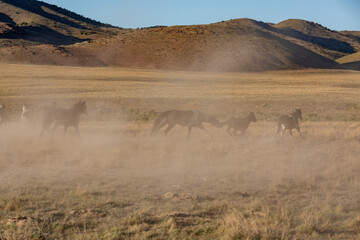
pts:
[252, 117]
[213, 121]
[81, 107]
[298, 113]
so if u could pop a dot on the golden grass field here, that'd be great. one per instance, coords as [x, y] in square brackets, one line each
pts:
[117, 182]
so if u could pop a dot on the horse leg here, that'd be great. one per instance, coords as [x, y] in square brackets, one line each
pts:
[77, 131]
[44, 128]
[242, 133]
[235, 132]
[65, 129]
[283, 131]
[189, 131]
[168, 129]
[157, 127]
[229, 132]
[45, 124]
[204, 129]
[298, 129]
[290, 132]
[278, 128]
[163, 123]
[53, 130]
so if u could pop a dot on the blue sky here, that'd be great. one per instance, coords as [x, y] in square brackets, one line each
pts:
[334, 14]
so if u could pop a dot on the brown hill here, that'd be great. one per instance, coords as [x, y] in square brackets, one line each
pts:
[351, 34]
[319, 39]
[35, 32]
[351, 61]
[236, 45]
[31, 22]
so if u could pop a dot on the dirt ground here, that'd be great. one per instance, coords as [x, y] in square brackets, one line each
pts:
[117, 182]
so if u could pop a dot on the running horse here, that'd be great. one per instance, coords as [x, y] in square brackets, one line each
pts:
[289, 122]
[183, 118]
[241, 124]
[65, 117]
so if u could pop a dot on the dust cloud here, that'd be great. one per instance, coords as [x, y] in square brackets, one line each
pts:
[122, 155]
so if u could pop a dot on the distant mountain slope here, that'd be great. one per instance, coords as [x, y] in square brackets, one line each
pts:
[313, 36]
[35, 32]
[32, 22]
[352, 34]
[351, 61]
[236, 45]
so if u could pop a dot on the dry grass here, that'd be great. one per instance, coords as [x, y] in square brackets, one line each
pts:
[355, 57]
[329, 95]
[119, 183]
[351, 61]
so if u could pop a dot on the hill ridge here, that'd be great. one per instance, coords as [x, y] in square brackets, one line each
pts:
[36, 32]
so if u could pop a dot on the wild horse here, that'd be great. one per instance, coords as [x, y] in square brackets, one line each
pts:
[64, 117]
[289, 122]
[241, 124]
[183, 118]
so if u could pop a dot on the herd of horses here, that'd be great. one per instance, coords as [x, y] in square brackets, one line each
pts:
[53, 115]
[196, 119]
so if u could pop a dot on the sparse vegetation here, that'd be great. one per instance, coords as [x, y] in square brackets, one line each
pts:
[118, 183]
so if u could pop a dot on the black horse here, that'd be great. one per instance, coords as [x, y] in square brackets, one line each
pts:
[183, 118]
[65, 117]
[289, 122]
[241, 124]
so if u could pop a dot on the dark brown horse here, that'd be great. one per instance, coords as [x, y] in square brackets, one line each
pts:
[183, 118]
[241, 124]
[289, 122]
[64, 117]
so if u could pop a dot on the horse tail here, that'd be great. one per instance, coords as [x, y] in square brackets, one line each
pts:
[156, 127]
